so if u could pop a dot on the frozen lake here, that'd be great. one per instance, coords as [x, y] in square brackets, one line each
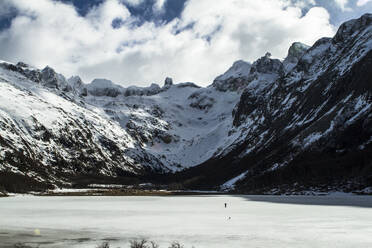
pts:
[199, 221]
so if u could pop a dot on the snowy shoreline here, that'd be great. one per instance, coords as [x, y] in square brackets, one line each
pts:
[64, 192]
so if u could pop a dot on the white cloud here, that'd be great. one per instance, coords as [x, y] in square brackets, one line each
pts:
[52, 33]
[363, 2]
[304, 3]
[342, 4]
[159, 6]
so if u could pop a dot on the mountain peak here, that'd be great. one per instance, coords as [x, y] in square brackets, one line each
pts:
[168, 82]
[295, 52]
[48, 69]
[267, 65]
[51, 79]
[102, 83]
[22, 64]
[104, 87]
[240, 68]
[297, 49]
[75, 82]
[267, 55]
[347, 29]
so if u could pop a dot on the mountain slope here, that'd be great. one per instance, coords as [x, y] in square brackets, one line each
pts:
[263, 127]
[55, 130]
[311, 128]
[47, 137]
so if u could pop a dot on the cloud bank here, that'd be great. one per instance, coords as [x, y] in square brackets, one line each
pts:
[202, 43]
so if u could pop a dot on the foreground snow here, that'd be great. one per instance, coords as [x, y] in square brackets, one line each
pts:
[256, 221]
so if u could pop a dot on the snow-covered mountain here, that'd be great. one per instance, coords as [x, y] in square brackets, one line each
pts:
[310, 126]
[303, 121]
[55, 129]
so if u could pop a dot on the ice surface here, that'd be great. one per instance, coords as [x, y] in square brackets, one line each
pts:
[199, 221]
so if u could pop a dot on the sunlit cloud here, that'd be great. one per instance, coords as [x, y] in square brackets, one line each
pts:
[197, 46]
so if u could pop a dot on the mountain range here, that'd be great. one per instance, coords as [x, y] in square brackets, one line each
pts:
[271, 126]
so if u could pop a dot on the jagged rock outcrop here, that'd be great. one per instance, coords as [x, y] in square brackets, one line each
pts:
[153, 89]
[168, 82]
[104, 87]
[349, 29]
[243, 75]
[266, 65]
[75, 82]
[50, 79]
[295, 52]
[234, 78]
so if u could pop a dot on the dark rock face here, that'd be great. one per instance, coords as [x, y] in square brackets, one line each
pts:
[51, 79]
[21, 68]
[349, 28]
[111, 92]
[295, 52]
[22, 64]
[242, 74]
[234, 78]
[247, 104]
[232, 84]
[12, 67]
[297, 49]
[153, 89]
[103, 87]
[168, 82]
[201, 101]
[47, 77]
[267, 65]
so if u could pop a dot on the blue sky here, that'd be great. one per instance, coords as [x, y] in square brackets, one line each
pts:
[143, 10]
[143, 41]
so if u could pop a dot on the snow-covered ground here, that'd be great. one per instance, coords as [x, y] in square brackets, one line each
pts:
[199, 221]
